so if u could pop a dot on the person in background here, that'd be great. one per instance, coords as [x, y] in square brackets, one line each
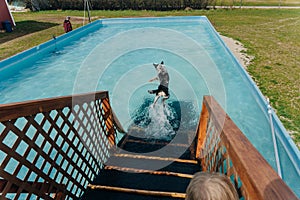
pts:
[67, 24]
[211, 186]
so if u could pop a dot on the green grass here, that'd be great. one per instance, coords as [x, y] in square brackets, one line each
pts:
[272, 36]
[257, 2]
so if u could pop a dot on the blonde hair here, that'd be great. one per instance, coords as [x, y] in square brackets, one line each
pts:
[210, 186]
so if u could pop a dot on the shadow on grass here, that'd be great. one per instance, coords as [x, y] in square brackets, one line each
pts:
[24, 28]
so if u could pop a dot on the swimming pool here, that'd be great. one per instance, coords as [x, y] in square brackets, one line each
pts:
[117, 55]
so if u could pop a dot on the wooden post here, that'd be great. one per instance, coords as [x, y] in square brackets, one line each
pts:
[201, 131]
[109, 121]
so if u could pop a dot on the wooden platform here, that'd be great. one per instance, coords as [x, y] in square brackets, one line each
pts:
[133, 173]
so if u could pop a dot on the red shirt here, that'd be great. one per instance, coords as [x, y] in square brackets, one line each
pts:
[67, 26]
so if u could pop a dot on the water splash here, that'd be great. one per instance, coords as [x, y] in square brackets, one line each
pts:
[160, 126]
[155, 122]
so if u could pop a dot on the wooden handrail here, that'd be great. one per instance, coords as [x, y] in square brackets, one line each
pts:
[27, 108]
[220, 143]
[62, 141]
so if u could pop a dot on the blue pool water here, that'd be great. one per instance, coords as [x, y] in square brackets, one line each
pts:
[117, 55]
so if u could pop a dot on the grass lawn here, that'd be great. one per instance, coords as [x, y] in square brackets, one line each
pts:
[271, 35]
[257, 2]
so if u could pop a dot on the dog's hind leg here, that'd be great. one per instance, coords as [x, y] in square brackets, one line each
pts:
[155, 99]
[150, 91]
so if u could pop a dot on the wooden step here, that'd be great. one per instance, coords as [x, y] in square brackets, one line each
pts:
[136, 145]
[137, 191]
[155, 158]
[142, 181]
[134, 170]
[156, 163]
[157, 143]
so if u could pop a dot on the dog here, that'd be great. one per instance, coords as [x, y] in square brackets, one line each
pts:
[163, 78]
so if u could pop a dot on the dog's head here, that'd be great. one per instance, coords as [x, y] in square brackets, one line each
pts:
[160, 68]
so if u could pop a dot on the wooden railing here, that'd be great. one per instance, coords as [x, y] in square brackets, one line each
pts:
[222, 147]
[52, 148]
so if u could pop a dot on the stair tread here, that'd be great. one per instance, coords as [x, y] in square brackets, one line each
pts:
[142, 181]
[149, 157]
[134, 170]
[143, 145]
[137, 191]
[109, 195]
[160, 165]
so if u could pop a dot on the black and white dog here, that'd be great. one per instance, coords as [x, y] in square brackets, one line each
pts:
[163, 78]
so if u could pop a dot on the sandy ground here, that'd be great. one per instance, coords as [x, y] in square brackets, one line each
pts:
[238, 51]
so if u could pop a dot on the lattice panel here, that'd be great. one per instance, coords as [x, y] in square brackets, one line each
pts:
[55, 154]
[217, 159]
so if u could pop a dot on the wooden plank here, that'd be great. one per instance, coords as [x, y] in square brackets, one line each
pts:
[158, 143]
[17, 182]
[42, 187]
[155, 158]
[201, 130]
[108, 121]
[166, 173]
[27, 108]
[117, 123]
[45, 188]
[137, 191]
[100, 114]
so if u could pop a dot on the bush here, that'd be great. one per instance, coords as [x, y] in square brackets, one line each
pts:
[37, 5]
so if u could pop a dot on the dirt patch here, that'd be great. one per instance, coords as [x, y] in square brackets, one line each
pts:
[238, 51]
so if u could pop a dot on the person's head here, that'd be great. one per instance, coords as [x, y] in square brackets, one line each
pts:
[68, 18]
[210, 186]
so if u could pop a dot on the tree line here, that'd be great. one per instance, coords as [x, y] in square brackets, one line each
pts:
[161, 5]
